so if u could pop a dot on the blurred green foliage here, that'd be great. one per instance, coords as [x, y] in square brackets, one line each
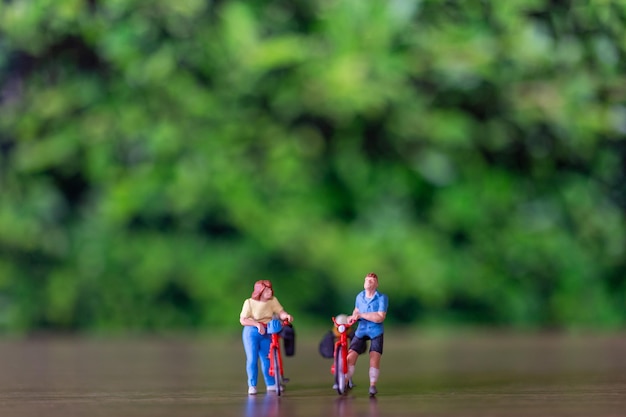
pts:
[157, 158]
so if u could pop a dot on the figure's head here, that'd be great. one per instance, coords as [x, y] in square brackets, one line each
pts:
[371, 281]
[259, 287]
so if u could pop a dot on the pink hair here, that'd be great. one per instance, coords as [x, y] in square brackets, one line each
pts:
[259, 287]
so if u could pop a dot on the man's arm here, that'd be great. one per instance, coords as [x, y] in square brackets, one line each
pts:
[376, 317]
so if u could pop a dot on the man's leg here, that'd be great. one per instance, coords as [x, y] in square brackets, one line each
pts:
[374, 368]
[376, 352]
[352, 357]
[357, 346]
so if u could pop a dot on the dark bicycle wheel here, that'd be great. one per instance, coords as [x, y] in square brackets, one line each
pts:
[277, 375]
[340, 369]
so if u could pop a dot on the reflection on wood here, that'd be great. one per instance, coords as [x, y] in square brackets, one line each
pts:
[462, 375]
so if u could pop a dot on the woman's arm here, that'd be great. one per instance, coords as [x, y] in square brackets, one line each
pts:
[247, 321]
[283, 315]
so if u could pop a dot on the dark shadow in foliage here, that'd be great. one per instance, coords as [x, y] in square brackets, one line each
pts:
[471, 310]
[74, 51]
[215, 225]
[163, 222]
[406, 309]
[326, 303]
[72, 185]
[175, 297]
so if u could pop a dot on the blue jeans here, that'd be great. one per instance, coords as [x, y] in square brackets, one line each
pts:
[257, 346]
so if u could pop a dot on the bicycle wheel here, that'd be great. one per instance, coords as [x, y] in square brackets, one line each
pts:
[277, 374]
[340, 369]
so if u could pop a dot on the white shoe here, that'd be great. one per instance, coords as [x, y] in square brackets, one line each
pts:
[251, 390]
[272, 387]
[335, 386]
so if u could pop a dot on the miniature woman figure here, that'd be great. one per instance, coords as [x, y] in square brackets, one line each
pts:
[370, 310]
[257, 311]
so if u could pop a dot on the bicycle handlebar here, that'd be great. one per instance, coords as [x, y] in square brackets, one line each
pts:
[349, 323]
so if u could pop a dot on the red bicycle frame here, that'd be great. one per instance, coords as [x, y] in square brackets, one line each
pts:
[340, 357]
[275, 356]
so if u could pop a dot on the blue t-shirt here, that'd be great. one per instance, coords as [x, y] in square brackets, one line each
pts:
[378, 303]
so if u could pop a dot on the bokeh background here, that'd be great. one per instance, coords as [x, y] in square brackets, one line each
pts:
[158, 157]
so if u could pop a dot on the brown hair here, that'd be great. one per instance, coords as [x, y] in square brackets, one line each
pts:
[373, 275]
[259, 287]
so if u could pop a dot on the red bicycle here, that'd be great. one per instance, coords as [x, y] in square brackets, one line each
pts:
[276, 359]
[340, 362]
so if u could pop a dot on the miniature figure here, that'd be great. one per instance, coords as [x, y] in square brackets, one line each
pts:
[257, 311]
[370, 310]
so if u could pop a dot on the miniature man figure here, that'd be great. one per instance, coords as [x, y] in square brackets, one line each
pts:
[370, 310]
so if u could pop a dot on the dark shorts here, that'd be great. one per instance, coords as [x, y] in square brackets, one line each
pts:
[358, 344]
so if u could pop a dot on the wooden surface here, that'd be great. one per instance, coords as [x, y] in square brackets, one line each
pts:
[462, 375]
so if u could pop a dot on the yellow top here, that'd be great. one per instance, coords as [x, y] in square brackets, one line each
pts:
[260, 310]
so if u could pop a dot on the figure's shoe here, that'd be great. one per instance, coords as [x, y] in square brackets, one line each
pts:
[272, 388]
[251, 390]
[373, 390]
[335, 386]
